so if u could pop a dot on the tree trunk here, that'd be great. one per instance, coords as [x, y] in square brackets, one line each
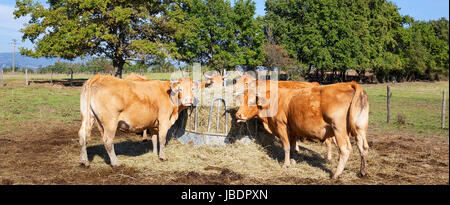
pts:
[308, 75]
[322, 74]
[316, 74]
[118, 66]
[71, 77]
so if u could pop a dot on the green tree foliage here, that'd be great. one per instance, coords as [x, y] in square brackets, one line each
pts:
[97, 65]
[276, 56]
[424, 51]
[363, 35]
[117, 29]
[217, 34]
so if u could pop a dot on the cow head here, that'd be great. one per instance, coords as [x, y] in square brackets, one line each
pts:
[243, 81]
[183, 90]
[248, 108]
[214, 79]
[255, 101]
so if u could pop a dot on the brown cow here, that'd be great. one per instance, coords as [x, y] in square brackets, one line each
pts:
[213, 80]
[131, 105]
[316, 112]
[248, 81]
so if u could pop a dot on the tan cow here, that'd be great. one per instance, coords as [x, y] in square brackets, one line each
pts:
[214, 80]
[316, 112]
[248, 81]
[131, 105]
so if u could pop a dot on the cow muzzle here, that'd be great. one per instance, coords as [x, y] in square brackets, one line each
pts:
[187, 101]
[240, 118]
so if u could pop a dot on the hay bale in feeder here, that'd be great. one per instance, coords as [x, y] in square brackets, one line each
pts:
[185, 130]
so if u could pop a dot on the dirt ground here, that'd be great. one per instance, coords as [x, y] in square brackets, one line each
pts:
[48, 154]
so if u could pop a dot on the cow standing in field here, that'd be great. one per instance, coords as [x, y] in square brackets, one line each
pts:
[131, 105]
[214, 80]
[317, 112]
[248, 81]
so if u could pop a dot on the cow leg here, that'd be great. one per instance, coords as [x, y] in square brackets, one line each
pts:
[363, 148]
[84, 134]
[162, 133]
[345, 148]
[329, 149]
[100, 128]
[287, 148]
[293, 148]
[108, 136]
[297, 144]
[144, 136]
[155, 144]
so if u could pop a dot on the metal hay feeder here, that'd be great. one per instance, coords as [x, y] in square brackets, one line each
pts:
[222, 135]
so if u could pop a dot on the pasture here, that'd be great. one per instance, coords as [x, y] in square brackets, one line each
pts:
[39, 144]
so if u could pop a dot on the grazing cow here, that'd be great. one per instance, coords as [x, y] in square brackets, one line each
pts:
[316, 112]
[248, 81]
[214, 80]
[131, 105]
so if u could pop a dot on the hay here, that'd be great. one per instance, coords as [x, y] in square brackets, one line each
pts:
[206, 97]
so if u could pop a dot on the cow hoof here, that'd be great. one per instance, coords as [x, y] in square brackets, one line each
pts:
[335, 178]
[293, 161]
[84, 164]
[285, 166]
[362, 175]
[335, 181]
[144, 140]
[163, 159]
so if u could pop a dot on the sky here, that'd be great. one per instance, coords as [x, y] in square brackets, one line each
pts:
[9, 27]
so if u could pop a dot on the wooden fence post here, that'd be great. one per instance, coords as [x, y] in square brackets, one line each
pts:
[388, 104]
[51, 76]
[71, 77]
[1, 79]
[26, 76]
[443, 110]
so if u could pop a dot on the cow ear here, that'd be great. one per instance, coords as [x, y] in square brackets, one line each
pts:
[262, 101]
[174, 86]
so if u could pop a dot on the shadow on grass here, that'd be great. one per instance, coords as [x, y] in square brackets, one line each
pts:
[276, 152]
[65, 82]
[127, 148]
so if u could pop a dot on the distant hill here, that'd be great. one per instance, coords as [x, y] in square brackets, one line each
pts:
[28, 62]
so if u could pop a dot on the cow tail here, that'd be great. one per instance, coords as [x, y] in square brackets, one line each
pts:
[87, 118]
[359, 113]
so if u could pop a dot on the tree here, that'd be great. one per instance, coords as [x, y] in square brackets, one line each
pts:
[217, 35]
[117, 29]
[275, 55]
[334, 36]
[424, 53]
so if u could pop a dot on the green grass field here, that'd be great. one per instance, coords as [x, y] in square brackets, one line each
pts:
[419, 103]
[39, 124]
